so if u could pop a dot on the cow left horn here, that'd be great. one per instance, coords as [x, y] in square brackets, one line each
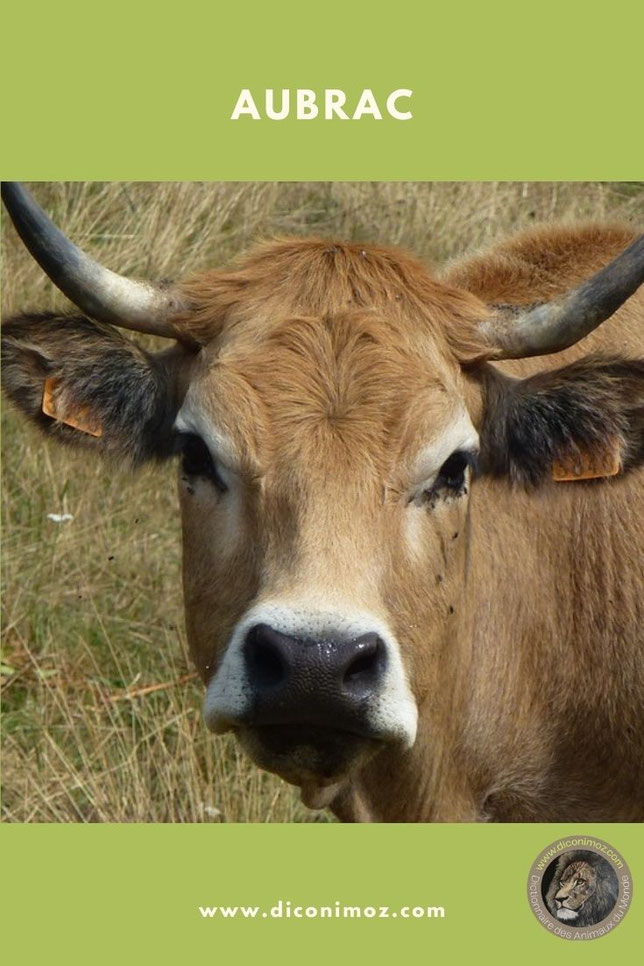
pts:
[559, 324]
[101, 293]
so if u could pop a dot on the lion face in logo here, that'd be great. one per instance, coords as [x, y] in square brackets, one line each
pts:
[578, 884]
[583, 890]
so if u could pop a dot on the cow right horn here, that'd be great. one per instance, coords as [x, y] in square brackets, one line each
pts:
[557, 325]
[101, 293]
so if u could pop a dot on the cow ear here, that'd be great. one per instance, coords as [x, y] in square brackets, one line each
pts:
[580, 422]
[87, 385]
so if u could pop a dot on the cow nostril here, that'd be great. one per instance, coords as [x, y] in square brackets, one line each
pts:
[359, 667]
[366, 664]
[264, 661]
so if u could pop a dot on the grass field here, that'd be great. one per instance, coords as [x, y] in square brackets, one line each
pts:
[101, 711]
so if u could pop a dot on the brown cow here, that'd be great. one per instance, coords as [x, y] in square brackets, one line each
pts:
[413, 573]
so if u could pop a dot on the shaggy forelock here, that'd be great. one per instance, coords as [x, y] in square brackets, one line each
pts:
[317, 278]
[342, 380]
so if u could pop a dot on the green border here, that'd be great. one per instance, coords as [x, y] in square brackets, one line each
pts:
[502, 91]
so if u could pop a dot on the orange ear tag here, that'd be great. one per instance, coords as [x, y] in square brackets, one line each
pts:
[589, 465]
[81, 419]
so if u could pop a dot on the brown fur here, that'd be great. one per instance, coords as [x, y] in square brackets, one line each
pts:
[314, 277]
[539, 264]
[519, 613]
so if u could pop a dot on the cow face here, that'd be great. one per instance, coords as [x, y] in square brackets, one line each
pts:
[324, 486]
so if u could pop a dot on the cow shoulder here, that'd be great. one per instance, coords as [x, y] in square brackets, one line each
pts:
[539, 264]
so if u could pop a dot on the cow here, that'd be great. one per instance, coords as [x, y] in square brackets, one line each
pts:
[411, 505]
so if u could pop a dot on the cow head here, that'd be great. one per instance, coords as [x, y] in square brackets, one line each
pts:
[330, 406]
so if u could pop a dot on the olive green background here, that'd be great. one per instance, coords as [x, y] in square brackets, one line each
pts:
[502, 90]
[139, 91]
[124, 893]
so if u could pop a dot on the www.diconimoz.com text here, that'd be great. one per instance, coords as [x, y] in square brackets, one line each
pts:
[285, 909]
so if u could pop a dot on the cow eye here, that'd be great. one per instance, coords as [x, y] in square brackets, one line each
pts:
[451, 475]
[450, 479]
[196, 461]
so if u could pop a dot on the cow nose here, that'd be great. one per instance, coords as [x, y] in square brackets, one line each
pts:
[325, 682]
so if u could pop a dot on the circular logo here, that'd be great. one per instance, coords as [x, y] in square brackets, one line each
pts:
[579, 888]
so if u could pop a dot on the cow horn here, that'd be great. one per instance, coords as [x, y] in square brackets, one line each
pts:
[101, 293]
[559, 324]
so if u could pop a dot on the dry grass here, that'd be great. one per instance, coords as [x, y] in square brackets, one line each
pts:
[92, 608]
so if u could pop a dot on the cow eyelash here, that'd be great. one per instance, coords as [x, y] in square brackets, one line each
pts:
[450, 479]
[451, 475]
[196, 461]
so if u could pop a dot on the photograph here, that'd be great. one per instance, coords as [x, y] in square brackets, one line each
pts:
[324, 502]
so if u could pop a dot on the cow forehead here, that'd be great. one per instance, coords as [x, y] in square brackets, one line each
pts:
[311, 385]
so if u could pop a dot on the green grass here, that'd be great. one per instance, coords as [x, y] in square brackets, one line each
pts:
[92, 608]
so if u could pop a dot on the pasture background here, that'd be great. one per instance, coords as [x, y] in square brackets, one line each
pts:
[101, 713]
